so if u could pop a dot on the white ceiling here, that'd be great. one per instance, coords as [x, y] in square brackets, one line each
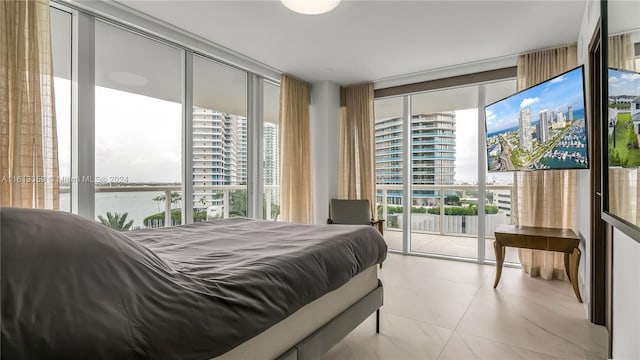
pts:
[373, 40]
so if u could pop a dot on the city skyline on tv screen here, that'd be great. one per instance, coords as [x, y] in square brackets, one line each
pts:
[542, 127]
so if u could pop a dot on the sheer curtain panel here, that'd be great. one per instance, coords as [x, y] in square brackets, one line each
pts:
[296, 197]
[356, 171]
[544, 198]
[28, 144]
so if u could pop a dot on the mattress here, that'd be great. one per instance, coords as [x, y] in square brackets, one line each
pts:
[279, 338]
[75, 289]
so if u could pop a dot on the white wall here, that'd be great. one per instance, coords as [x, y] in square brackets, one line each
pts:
[325, 117]
[583, 203]
[626, 251]
[626, 297]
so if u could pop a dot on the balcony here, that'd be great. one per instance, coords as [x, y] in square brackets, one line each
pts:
[441, 228]
[142, 201]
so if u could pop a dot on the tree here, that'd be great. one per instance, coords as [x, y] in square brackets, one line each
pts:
[275, 209]
[452, 199]
[116, 221]
[238, 203]
[175, 199]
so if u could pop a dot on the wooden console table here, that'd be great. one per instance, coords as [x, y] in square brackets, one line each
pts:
[539, 238]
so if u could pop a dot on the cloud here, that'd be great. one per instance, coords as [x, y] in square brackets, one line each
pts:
[558, 79]
[490, 115]
[631, 77]
[613, 79]
[529, 101]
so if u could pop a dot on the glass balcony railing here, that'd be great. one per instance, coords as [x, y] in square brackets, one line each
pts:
[151, 206]
[445, 209]
[444, 218]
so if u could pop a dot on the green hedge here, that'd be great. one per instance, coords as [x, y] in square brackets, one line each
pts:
[391, 209]
[448, 210]
[469, 211]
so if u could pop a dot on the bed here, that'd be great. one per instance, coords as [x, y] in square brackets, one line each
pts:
[228, 289]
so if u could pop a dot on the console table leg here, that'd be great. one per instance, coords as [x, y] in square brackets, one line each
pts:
[499, 250]
[567, 265]
[575, 261]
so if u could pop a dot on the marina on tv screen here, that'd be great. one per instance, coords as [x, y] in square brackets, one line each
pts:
[542, 127]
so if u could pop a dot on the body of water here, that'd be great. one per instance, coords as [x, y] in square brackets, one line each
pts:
[139, 205]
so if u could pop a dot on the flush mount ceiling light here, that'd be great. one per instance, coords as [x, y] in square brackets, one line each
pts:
[311, 7]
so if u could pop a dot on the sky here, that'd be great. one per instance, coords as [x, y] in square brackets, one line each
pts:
[623, 83]
[554, 95]
[138, 137]
[466, 145]
[466, 170]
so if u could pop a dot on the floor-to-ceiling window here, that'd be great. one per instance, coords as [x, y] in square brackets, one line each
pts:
[389, 167]
[219, 140]
[270, 149]
[146, 142]
[444, 161]
[138, 129]
[499, 190]
[440, 136]
[61, 51]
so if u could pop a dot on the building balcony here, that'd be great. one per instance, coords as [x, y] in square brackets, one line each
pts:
[433, 232]
[207, 146]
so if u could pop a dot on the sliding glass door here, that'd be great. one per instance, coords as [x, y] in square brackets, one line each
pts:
[435, 148]
[444, 143]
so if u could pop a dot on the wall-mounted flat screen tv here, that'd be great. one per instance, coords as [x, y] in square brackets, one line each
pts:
[624, 118]
[539, 128]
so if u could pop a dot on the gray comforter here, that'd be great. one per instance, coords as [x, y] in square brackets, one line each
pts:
[75, 289]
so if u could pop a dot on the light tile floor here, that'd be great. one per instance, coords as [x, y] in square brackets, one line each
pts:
[439, 309]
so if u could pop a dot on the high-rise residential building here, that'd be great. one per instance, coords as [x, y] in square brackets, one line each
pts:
[271, 162]
[570, 113]
[543, 127]
[231, 149]
[270, 154]
[525, 129]
[219, 154]
[209, 168]
[433, 139]
[241, 163]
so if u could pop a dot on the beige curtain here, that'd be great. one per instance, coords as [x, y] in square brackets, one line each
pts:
[621, 54]
[624, 192]
[544, 198]
[356, 172]
[28, 143]
[296, 198]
